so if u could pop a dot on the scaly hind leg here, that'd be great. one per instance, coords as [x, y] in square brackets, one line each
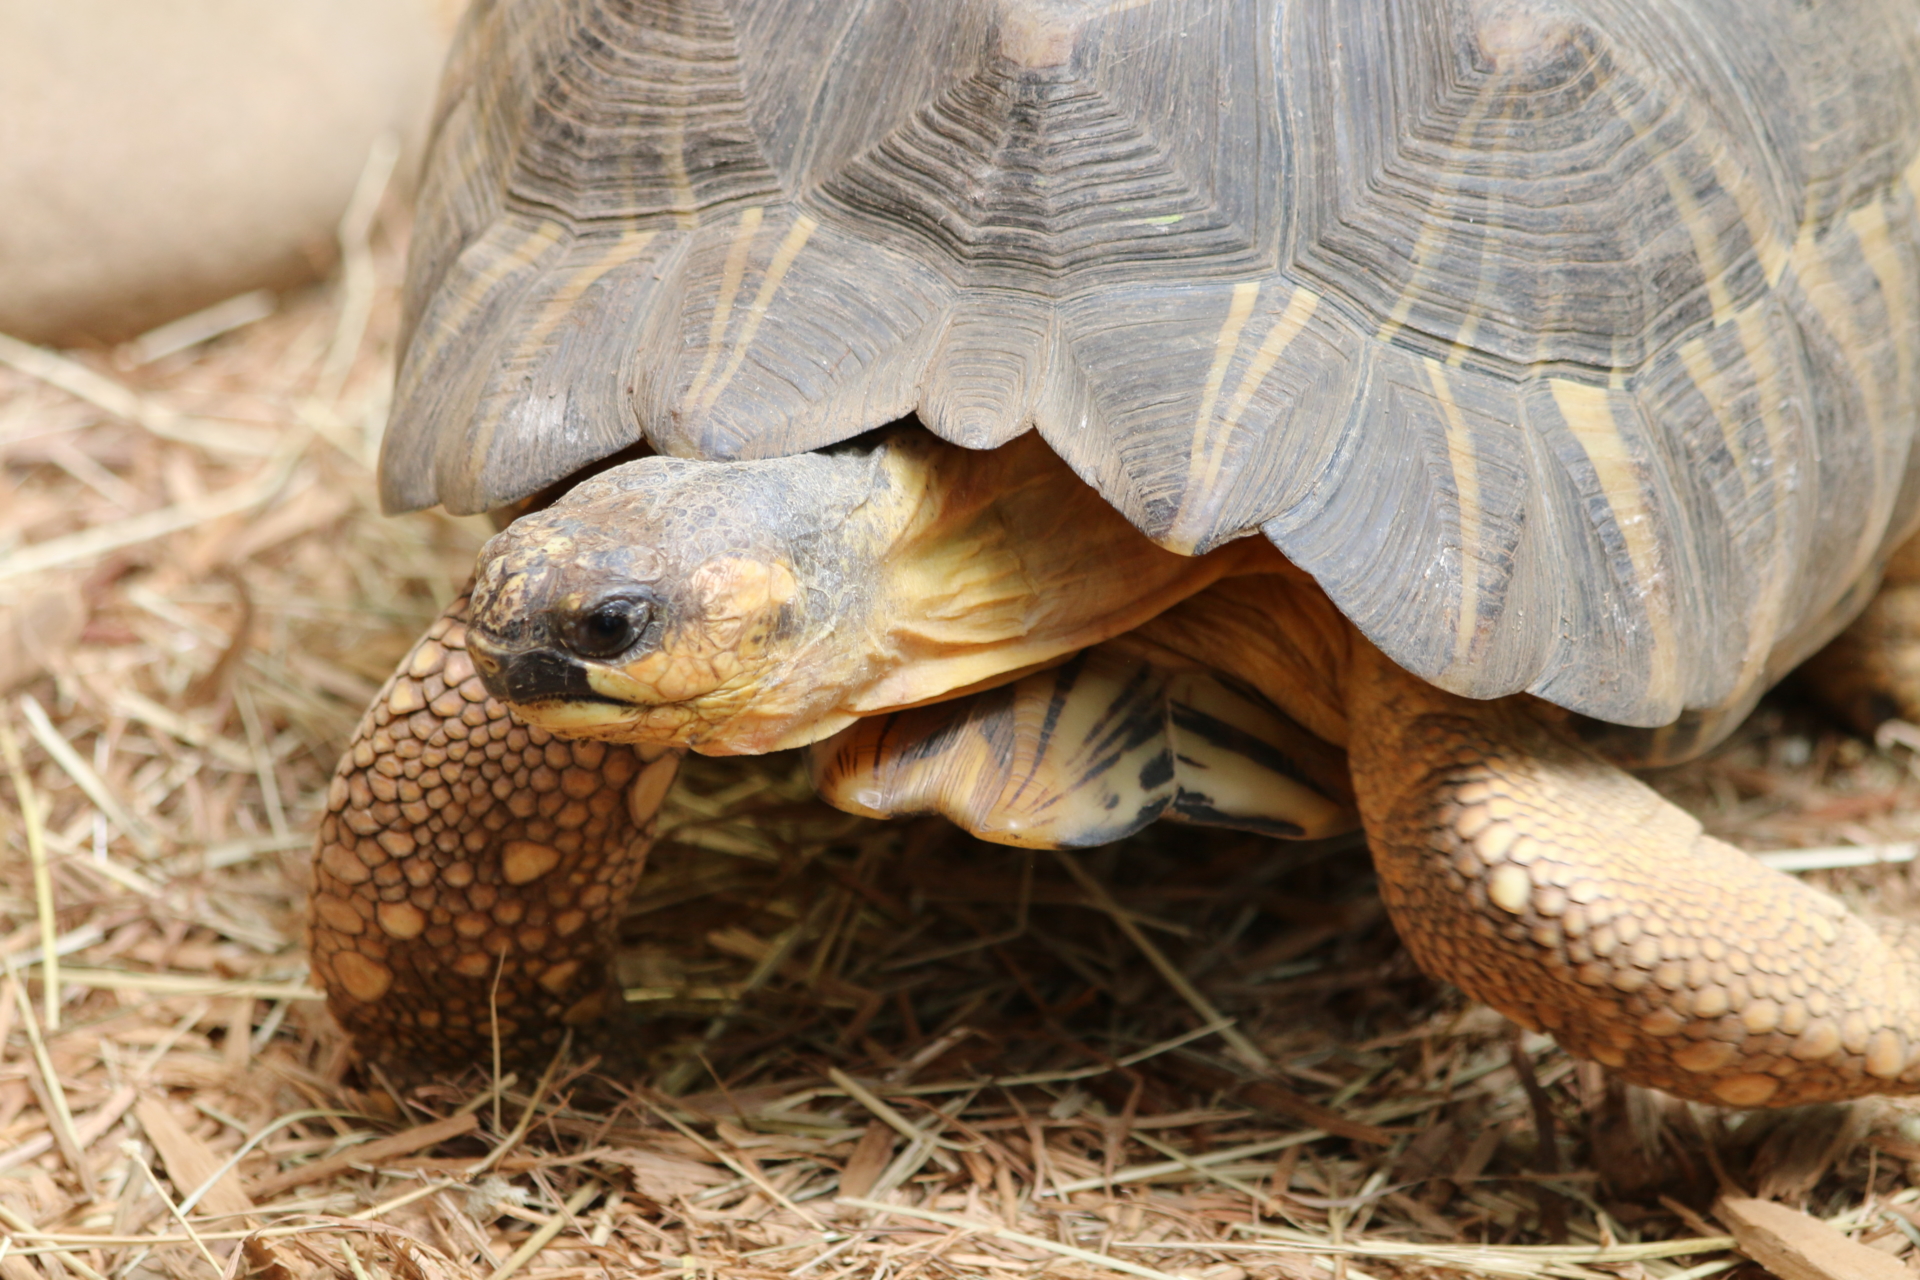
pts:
[469, 869]
[1089, 752]
[1870, 672]
[1144, 726]
[1569, 896]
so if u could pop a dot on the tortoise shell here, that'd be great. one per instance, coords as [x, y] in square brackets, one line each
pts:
[1571, 345]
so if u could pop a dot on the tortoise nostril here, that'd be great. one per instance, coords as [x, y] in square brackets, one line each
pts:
[490, 668]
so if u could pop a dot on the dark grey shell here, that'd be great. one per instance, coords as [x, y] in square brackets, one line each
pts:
[1572, 345]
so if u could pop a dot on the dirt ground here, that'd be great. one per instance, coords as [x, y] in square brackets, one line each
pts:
[851, 1049]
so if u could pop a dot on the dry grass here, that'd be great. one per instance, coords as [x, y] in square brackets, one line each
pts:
[855, 1049]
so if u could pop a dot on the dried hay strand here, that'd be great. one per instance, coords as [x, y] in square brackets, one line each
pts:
[852, 1049]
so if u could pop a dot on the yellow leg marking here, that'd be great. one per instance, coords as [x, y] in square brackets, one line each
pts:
[1588, 411]
[1466, 488]
[790, 246]
[731, 276]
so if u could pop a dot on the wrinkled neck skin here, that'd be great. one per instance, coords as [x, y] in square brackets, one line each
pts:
[794, 595]
[1011, 562]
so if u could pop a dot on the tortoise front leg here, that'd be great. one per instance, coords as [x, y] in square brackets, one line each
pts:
[470, 867]
[1572, 898]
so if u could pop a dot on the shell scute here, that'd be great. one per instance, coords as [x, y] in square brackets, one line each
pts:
[1449, 486]
[1601, 473]
[643, 121]
[1210, 406]
[782, 340]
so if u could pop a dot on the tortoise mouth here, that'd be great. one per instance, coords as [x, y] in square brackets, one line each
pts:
[530, 677]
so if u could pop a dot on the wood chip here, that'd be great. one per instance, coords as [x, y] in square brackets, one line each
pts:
[37, 628]
[664, 1178]
[190, 1163]
[870, 1156]
[366, 1153]
[90, 544]
[1798, 1246]
[48, 736]
[87, 1129]
[1264, 1095]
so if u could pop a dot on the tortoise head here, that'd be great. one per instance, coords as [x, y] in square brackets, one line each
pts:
[740, 607]
[686, 602]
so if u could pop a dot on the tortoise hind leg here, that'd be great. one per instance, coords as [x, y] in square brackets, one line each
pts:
[1571, 897]
[1089, 752]
[461, 850]
[1870, 672]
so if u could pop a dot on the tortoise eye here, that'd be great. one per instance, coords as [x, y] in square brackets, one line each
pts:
[610, 628]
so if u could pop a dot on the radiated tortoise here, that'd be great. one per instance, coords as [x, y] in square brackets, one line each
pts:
[1061, 414]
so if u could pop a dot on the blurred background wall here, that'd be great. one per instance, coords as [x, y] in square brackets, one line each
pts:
[158, 156]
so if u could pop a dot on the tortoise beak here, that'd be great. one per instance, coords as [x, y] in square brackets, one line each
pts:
[529, 676]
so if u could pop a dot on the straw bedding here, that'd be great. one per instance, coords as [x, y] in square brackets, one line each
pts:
[852, 1049]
